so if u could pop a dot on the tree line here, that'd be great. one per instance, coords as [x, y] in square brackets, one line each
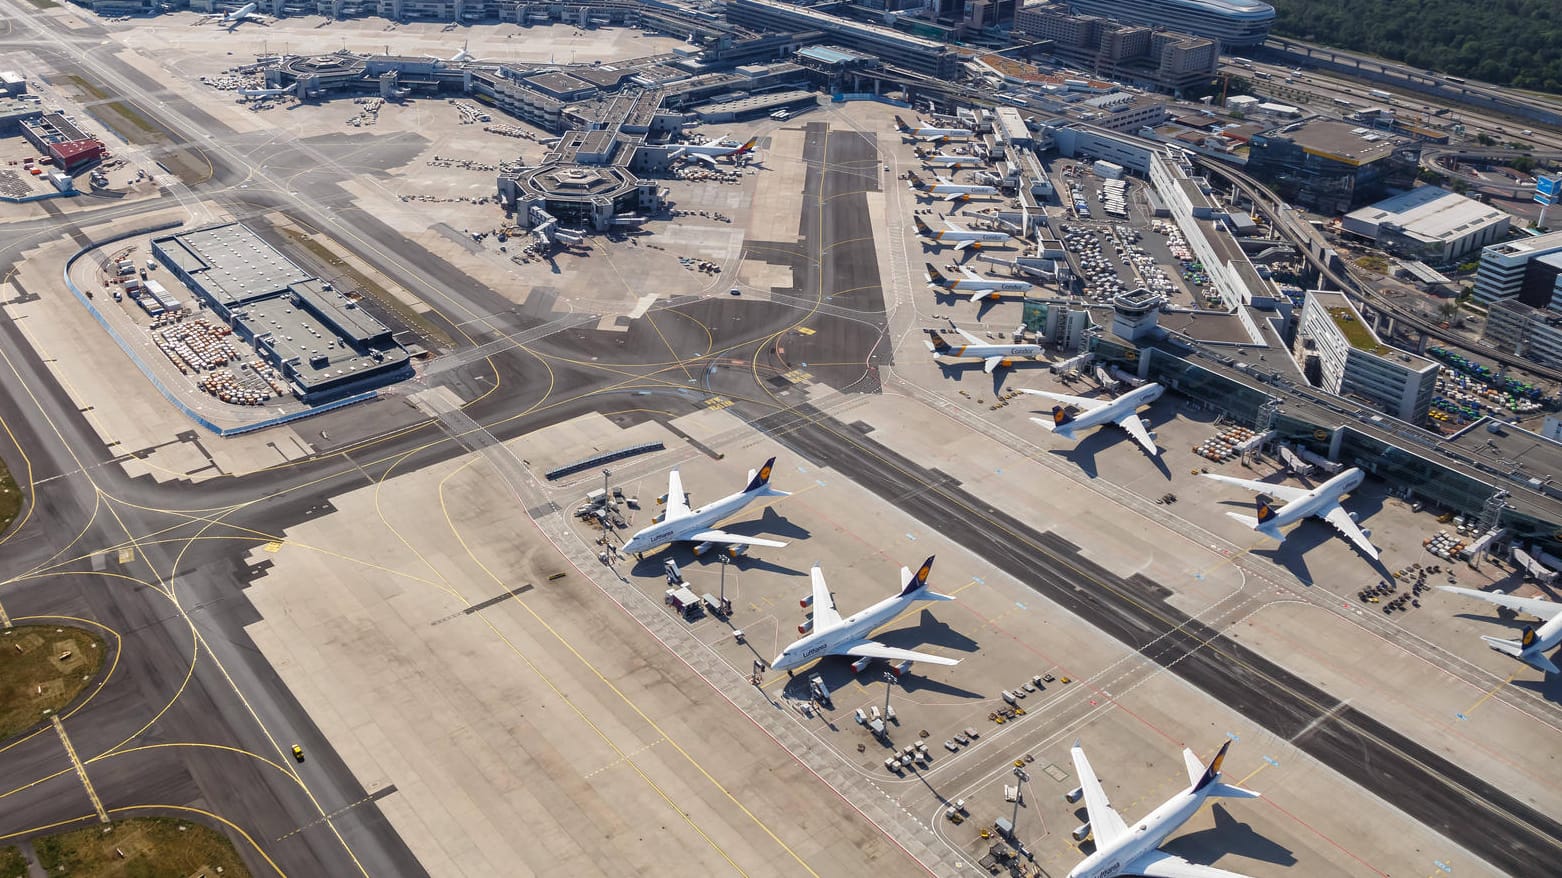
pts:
[1515, 43]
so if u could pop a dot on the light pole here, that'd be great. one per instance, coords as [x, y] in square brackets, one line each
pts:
[889, 683]
[723, 596]
[606, 474]
[1020, 777]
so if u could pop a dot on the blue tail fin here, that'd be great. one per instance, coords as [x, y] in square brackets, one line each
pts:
[1060, 416]
[1214, 768]
[761, 478]
[919, 578]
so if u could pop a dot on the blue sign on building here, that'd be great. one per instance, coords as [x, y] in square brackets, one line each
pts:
[1547, 190]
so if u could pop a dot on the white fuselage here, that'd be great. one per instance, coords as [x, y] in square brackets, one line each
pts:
[1317, 499]
[241, 13]
[1547, 636]
[958, 235]
[985, 284]
[984, 351]
[938, 132]
[954, 161]
[857, 626]
[1141, 837]
[959, 189]
[710, 149]
[703, 518]
[1126, 404]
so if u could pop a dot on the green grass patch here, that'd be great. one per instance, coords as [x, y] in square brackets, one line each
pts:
[331, 264]
[12, 863]
[153, 847]
[10, 498]
[81, 83]
[42, 669]
[134, 117]
[1355, 331]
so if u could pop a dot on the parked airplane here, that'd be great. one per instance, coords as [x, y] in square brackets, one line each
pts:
[829, 634]
[957, 237]
[462, 55]
[1322, 501]
[711, 150]
[992, 355]
[946, 188]
[679, 524]
[239, 16]
[924, 132]
[978, 286]
[1122, 411]
[1534, 644]
[1123, 851]
[953, 162]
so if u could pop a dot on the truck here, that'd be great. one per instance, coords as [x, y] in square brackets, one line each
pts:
[1380, 94]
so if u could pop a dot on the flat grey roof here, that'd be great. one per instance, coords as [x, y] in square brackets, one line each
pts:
[232, 263]
[295, 333]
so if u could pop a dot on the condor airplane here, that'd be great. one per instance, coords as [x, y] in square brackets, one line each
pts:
[958, 237]
[946, 189]
[991, 355]
[1322, 502]
[953, 162]
[828, 634]
[978, 286]
[1534, 644]
[711, 150]
[1124, 851]
[679, 524]
[1123, 411]
[924, 132]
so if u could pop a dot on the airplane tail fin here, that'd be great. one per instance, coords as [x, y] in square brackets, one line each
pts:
[1047, 424]
[936, 342]
[759, 481]
[1520, 649]
[915, 181]
[1061, 417]
[748, 146]
[900, 124]
[1211, 773]
[1266, 512]
[918, 581]
[1252, 523]
[935, 277]
[922, 227]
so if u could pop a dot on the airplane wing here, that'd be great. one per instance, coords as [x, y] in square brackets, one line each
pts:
[978, 295]
[958, 196]
[1077, 401]
[825, 614]
[1337, 516]
[702, 157]
[961, 245]
[721, 536]
[992, 363]
[1284, 492]
[1105, 823]
[677, 503]
[969, 337]
[1136, 428]
[1159, 864]
[969, 274]
[874, 649]
[1537, 608]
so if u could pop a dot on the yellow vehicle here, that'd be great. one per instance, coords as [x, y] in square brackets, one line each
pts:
[298, 753]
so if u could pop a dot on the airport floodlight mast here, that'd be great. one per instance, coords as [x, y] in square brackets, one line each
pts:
[889, 684]
[1020, 777]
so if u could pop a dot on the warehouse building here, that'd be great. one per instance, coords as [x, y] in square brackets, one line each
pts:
[1429, 224]
[894, 47]
[71, 148]
[323, 343]
[1352, 362]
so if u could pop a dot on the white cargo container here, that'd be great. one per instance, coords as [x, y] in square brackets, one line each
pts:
[1108, 170]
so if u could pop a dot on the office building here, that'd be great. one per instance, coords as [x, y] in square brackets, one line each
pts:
[1234, 23]
[1135, 54]
[1351, 361]
[1329, 166]
[1526, 269]
[1525, 331]
[1429, 224]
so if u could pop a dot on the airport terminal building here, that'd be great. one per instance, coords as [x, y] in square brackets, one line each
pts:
[323, 343]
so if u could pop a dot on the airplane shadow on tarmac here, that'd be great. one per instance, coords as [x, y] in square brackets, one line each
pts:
[1549, 688]
[1308, 534]
[1228, 836]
